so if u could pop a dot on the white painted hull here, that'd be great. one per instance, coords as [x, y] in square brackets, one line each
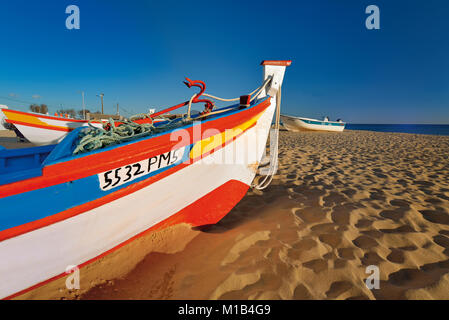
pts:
[41, 136]
[301, 124]
[74, 241]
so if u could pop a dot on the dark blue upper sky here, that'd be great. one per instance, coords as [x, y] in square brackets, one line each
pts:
[137, 53]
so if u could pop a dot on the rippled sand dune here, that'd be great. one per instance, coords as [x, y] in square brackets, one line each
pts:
[339, 203]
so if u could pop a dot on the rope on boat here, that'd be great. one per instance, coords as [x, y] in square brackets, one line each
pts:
[93, 138]
[274, 148]
[252, 94]
[258, 90]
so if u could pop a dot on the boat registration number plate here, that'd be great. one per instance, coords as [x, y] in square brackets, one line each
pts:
[116, 177]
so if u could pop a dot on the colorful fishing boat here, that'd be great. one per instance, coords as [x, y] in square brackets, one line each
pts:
[62, 208]
[292, 123]
[41, 129]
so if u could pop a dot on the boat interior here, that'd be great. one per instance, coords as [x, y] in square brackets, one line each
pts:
[25, 163]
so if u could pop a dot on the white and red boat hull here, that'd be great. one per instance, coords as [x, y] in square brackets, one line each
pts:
[80, 207]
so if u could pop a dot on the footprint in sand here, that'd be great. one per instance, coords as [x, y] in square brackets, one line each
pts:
[332, 239]
[363, 223]
[441, 196]
[402, 182]
[317, 265]
[244, 245]
[402, 229]
[371, 258]
[442, 241]
[359, 297]
[376, 234]
[305, 244]
[423, 183]
[339, 263]
[412, 278]
[365, 242]
[337, 288]
[436, 216]
[346, 253]
[396, 256]
[400, 203]
[395, 214]
[301, 293]
[324, 228]
[310, 214]
[349, 192]
[334, 198]
[377, 196]
[411, 247]
[341, 213]
[433, 200]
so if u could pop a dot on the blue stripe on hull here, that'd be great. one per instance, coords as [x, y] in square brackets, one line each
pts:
[38, 204]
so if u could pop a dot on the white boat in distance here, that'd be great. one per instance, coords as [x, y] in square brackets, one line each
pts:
[292, 123]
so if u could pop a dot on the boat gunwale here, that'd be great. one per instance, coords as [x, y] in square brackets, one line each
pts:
[155, 135]
[55, 172]
[41, 115]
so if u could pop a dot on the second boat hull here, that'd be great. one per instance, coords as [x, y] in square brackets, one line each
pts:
[41, 130]
[304, 124]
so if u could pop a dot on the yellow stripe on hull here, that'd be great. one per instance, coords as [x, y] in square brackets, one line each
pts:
[207, 145]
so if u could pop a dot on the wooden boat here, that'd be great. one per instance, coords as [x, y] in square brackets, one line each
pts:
[41, 129]
[60, 209]
[292, 123]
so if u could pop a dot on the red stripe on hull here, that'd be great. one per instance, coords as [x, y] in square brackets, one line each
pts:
[45, 116]
[49, 127]
[209, 209]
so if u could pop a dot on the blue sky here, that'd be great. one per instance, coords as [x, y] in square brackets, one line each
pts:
[137, 53]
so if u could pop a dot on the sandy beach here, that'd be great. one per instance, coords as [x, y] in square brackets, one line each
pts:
[339, 203]
[9, 140]
[132, 163]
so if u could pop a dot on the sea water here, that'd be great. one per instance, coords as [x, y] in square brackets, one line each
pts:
[435, 129]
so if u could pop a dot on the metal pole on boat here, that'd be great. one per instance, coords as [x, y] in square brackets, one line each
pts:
[84, 109]
[101, 95]
[117, 110]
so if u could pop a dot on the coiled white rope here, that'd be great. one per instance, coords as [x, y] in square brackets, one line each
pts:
[252, 94]
[258, 90]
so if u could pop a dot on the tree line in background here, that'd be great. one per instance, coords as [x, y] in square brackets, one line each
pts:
[43, 108]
